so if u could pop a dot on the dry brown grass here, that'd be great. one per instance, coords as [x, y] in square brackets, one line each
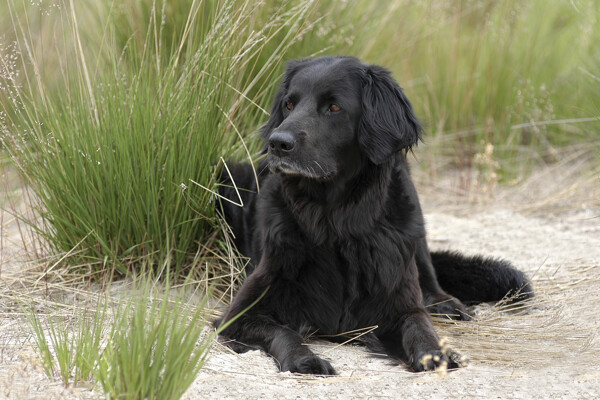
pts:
[558, 327]
[569, 183]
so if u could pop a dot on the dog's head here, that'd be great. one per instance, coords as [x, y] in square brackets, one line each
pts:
[331, 113]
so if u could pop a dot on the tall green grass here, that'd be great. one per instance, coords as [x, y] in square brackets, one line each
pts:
[121, 156]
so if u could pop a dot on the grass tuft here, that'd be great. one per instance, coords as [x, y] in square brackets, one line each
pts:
[150, 345]
[112, 156]
[156, 348]
[68, 345]
[41, 342]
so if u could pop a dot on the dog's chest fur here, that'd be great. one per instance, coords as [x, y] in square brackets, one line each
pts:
[340, 240]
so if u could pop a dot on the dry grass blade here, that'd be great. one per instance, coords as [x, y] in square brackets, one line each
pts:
[539, 333]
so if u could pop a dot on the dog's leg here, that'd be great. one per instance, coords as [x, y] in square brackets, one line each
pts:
[417, 343]
[253, 329]
[435, 299]
[285, 345]
[422, 344]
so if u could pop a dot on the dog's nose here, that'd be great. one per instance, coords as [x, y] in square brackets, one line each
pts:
[281, 143]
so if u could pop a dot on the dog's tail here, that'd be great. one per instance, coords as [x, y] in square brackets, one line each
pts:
[480, 279]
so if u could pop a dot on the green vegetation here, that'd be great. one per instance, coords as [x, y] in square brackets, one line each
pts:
[150, 346]
[69, 350]
[501, 73]
[155, 351]
[119, 152]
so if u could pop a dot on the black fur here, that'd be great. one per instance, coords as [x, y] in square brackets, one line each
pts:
[336, 236]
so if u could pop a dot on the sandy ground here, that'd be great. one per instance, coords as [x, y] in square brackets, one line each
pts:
[546, 350]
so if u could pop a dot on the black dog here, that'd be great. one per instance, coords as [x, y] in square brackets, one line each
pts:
[336, 236]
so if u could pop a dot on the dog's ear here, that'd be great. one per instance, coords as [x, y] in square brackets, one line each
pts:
[276, 117]
[388, 123]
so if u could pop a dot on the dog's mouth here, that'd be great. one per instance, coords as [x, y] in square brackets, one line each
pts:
[294, 168]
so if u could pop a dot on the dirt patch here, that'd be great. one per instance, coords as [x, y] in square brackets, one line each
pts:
[546, 350]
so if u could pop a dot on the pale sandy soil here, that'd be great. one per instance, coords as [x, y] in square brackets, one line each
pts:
[548, 350]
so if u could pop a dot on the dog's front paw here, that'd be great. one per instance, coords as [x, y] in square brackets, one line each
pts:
[439, 360]
[308, 364]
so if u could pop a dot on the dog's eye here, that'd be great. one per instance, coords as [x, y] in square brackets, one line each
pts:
[334, 108]
[289, 105]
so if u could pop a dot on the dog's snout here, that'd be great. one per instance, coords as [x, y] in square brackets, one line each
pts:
[281, 143]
